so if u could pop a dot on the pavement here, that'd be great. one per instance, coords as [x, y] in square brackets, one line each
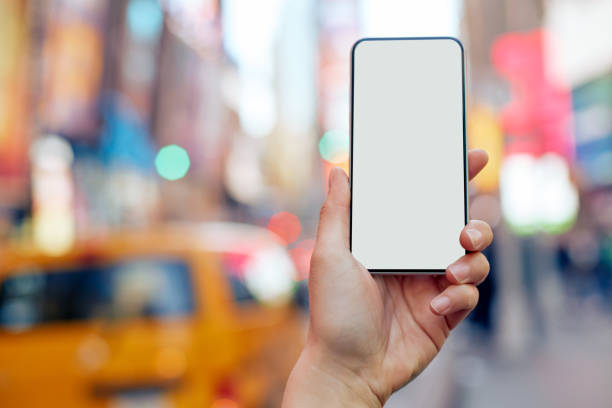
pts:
[566, 362]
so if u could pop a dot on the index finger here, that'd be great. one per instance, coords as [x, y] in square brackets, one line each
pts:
[477, 159]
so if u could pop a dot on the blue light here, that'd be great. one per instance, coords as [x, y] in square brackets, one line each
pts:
[145, 19]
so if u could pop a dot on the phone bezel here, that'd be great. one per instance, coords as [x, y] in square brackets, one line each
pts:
[465, 168]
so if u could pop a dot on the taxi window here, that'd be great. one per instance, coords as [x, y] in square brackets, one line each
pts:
[233, 268]
[240, 291]
[134, 288]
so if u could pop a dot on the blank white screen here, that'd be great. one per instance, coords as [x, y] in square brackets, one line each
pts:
[408, 173]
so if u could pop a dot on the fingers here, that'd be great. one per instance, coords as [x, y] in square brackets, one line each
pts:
[454, 299]
[333, 226]
[477, 159]
[476, 236]
[459, 293]
[470, 268]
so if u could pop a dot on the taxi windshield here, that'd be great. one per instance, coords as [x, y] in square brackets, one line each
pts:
[133, 288]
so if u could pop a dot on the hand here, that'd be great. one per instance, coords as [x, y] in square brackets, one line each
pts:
[370, 335]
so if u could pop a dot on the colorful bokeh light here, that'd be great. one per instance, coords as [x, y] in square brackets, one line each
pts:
[172, 162]
[286, 225]
[145, 19]
[537, 194]
[334, 146]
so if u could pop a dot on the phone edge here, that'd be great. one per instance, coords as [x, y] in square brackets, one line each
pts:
[377, 271]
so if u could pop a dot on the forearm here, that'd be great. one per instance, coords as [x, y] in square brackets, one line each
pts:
[318, 382]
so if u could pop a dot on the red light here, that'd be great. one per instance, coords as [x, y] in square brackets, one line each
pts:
[538, 118]
[286, 226]
[225, 394]
[234, 263]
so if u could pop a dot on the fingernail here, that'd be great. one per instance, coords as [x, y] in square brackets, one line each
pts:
[440, 304]
[474, 235]
[460, 271]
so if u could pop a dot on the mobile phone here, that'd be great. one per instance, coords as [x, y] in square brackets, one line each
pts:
[408, 154]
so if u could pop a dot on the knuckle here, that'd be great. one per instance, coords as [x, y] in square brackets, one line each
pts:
[481, 267]
[473, 297]
[489, 235]
[482, 262]
[325, 255]
[469, 297]
[487, 265]
[481, 225]
[485, 230]
[478, 223]
[324, 210]
[329, 209]
[317, 257]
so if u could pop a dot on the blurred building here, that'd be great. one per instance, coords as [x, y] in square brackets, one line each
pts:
[130, 115]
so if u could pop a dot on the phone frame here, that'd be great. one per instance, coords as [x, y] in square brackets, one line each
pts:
[465, 167]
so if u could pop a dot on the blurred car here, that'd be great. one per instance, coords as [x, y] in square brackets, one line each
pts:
[185, 316]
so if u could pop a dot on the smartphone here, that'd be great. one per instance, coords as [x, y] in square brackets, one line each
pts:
[408, 154]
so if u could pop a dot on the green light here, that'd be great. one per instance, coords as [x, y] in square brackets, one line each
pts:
[172, 162]
[334, 146]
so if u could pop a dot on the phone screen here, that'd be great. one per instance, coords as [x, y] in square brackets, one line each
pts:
[408, 154]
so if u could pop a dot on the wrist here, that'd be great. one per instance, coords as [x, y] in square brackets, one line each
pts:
[320, 380]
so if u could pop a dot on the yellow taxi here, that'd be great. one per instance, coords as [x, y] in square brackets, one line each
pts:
[182, 316]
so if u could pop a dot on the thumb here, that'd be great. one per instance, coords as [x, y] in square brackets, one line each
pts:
[333, 227]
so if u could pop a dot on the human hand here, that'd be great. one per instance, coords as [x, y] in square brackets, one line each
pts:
[370, 335]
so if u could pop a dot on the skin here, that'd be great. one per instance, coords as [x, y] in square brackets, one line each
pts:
[370, 335]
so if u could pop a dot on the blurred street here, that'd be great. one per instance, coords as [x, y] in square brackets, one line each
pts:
[565, 369]
[162, 166]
